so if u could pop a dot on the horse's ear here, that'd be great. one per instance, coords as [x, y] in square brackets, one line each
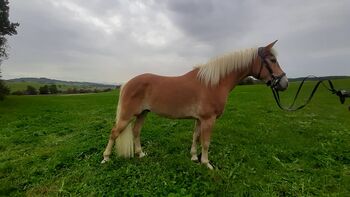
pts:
[269, 47]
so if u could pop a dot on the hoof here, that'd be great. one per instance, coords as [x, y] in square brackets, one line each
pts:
[194, 158]
[209, 166]
[142, 154]
[105, 160]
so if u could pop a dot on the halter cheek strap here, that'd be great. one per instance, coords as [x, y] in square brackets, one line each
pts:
[261, 67]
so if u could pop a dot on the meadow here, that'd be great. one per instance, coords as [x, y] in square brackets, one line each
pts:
[53, 145]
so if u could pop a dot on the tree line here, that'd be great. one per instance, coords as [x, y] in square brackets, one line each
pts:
[52, 89]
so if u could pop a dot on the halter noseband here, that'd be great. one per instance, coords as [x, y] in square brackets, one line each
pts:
[275, 78]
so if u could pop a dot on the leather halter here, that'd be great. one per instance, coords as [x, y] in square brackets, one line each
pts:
[275, 78]
[342, 94]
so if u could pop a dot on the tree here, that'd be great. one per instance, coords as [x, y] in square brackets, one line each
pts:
[31, 90]
[53, 89]
[44, 89]
[18, 92]
[6, 29]
[4, 90]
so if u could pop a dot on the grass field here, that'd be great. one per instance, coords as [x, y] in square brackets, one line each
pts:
[21, 86]
[52, 146]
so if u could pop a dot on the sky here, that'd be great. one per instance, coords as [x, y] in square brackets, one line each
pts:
[111, 41]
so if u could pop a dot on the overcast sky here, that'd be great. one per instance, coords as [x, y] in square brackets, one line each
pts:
[111, 41]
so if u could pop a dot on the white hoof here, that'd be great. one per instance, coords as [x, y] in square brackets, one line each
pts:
[142, 154]
[194, 158]
[105, 160]
[209, 166]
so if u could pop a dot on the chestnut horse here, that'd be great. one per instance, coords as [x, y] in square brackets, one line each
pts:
[200, 94]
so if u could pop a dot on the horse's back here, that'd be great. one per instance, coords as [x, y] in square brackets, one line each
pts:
[163, 83]
[168, 96]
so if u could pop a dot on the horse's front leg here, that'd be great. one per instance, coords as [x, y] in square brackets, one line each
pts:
[196, 134]
[206, 129]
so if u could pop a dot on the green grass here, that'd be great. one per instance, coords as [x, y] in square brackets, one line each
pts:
[52, 146]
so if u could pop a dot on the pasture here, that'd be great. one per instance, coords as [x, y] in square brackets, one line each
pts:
[52, 145]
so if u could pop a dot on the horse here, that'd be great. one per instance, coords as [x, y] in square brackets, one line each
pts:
[200, 94]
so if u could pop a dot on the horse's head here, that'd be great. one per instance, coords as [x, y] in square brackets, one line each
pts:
[267, 68]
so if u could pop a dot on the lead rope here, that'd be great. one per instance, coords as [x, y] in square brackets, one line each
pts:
[342, 94]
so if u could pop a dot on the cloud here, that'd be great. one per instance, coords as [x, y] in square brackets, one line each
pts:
[112, 41]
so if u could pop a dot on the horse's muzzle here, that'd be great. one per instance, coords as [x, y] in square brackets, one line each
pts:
[282, 84]
[279, 83]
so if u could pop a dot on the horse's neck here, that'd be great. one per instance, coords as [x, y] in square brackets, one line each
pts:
[232, 79]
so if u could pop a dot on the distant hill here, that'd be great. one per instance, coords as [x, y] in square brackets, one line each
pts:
[20, 84]
[252, 80]
[43, 80]
[318, 78]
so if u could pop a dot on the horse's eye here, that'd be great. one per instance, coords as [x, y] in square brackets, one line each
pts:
[273, 60]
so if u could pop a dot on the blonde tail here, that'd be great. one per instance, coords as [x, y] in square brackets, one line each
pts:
[125, 140]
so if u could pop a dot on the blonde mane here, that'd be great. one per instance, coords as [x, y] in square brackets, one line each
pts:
[218, 67]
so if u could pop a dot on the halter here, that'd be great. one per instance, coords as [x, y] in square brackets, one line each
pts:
[275, 78]
[273, 83]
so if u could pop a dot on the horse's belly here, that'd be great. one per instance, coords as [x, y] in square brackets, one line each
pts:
[175, 112]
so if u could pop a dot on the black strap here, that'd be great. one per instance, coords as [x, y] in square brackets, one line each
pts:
[342, 94]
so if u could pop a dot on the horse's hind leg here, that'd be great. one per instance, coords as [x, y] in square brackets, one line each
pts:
[116, 130]
[137, 130]
[206, 129]
[196, 134]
